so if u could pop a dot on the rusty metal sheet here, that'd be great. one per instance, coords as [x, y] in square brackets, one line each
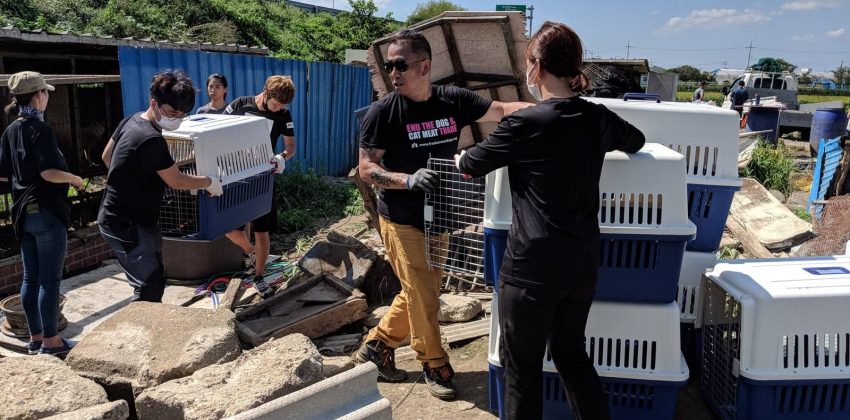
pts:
[833, 230]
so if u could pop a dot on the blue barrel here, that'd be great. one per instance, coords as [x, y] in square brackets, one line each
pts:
[495, 241]
[762, 118]
[827, 124]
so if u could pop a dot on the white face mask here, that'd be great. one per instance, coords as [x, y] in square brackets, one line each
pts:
[533, 88]
[167, 123]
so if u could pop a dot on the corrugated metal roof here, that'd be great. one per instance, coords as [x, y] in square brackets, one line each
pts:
[40, 35]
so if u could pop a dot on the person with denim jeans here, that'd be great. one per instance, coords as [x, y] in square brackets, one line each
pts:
[30, 159]
[140, 166]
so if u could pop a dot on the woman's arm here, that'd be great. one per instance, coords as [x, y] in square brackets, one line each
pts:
[57, 176]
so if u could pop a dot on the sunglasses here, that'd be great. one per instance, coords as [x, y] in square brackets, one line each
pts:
[400, 65]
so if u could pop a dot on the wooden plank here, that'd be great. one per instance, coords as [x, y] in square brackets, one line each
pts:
[370, 202]
[457, 65]
[749, 241]
[453, 333]
[230, 295]
[69, 79]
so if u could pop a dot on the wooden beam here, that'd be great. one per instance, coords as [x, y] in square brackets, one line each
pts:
[749, 241]
[457, 64]
[370, 202]
[70, 79]
[379, 61]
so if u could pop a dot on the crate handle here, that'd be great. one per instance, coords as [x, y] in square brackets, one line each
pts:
[643, 96]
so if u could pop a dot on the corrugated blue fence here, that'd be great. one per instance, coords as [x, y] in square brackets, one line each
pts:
[323, 109]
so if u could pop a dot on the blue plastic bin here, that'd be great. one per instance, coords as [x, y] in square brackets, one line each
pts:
[708, 208]
[810, 400]
[628, 399]
[640, 268]
[495, 241]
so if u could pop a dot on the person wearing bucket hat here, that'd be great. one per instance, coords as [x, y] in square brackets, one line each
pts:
[31, 161]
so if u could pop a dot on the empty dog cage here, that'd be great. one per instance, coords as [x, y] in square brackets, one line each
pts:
[721, 348]
[454, 217]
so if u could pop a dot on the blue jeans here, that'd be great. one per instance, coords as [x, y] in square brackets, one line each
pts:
[139, 252]
[43, 246]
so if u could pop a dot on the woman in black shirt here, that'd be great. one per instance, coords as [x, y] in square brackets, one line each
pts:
[31, 161]
[554, 152]
[217, 91]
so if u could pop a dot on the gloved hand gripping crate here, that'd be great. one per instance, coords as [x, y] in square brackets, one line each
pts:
[708, 138]
[237, 151]
[776, 338]
[635, 350]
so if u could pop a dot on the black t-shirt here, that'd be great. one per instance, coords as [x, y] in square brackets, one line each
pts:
[282, 120]
[410, 132]
[207, 110]
[554, 153]
[133, 186]
[29, 148]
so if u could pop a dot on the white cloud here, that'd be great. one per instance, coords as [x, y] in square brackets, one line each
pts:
[810, 4]
[803, 38]
[836, 33]
[713, 18]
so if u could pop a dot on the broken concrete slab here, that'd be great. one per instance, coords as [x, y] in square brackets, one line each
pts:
[41, 386]
[316, 307]
[375, 316]
[766, 218]
[151, 343]
[113, 410]
[351, 395]
[334, 365]
[457, 308]
[342, 256]
[258, 376]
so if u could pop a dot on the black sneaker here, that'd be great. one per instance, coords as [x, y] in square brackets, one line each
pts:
[263, 288]
[250, 263]
[33, 347]
[59, 352]
[382, 356]
[439, 381]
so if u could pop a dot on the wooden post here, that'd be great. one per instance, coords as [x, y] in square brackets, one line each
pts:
[749, 241]
[369, 200]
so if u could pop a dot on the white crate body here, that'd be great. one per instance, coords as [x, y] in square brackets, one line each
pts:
[794, 324]
[227, 147]
[497, 200]
[694, 265]
[620, 338]
[706, 135]
[644, 193]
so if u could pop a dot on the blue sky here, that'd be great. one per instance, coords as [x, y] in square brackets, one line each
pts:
[706, 34]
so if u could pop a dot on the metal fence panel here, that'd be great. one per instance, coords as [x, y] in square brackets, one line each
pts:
[323, 108]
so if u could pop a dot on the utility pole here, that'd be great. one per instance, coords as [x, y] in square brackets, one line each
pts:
[628, 49]
[723, 64]
[749, 54]
[530, 19]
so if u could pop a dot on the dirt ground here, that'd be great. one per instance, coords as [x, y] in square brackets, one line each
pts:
[412, 401]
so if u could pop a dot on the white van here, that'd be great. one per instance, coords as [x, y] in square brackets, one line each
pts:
[781, 85]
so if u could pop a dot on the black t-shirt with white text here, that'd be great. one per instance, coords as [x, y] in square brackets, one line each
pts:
[282, 120]
[410, 132]
[133, 186]
[29, 148]
[554, 152]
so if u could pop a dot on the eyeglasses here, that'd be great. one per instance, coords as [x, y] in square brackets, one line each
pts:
[171, 113]
[401, 65]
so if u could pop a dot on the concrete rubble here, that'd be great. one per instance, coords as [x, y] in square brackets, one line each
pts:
[113, 410]
[375, 316]
[146, 344]
[42, 386]
[258, 376]
[456, 308]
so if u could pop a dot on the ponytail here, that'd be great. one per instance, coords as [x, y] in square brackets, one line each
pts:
[14, 108]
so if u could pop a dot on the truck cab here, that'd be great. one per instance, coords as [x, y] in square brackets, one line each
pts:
[781, 85]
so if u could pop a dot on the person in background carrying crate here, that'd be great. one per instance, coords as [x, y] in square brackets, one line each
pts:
[272, 104]
[397, 136]
[699, 94]
[140, 166]
[554, 152]
[217, 91]
[31, 161]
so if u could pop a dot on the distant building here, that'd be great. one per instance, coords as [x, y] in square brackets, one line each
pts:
[312, 8]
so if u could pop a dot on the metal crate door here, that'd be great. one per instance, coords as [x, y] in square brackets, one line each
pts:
[721, 348]
[454, 217]
[178, 211]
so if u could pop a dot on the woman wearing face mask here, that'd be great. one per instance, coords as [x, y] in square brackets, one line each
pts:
[217, 91]
[140, 166]
[31, 161]
[548, 276]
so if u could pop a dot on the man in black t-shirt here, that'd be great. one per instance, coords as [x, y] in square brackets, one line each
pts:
[140, 166]
[398, 135]
[271, 104]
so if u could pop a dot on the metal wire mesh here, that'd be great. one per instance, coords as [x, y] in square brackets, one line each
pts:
[721, 347]
[178, 212]
[454, 216]
[182, 150]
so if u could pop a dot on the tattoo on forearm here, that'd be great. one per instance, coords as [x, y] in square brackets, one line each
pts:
[385, 179]
[371, 153]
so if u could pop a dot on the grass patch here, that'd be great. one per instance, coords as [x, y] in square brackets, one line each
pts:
[717, 98]
[304, 197]
[728, 253]
[803, 214]
[771, 166]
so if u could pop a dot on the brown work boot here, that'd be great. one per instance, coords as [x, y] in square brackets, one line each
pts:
[439, 381]
[380, 354]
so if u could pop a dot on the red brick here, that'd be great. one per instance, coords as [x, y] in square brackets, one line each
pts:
[90, 262]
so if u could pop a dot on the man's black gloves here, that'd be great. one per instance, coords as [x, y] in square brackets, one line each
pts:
[424, 179]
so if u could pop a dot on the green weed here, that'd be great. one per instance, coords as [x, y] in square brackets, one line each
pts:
[728, 253]
[771, 167]
[303, 197]
[803, 214]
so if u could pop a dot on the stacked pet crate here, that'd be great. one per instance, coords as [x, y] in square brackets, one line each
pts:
[632, 333]
[776, 338]
[707, 137]
[233, 149]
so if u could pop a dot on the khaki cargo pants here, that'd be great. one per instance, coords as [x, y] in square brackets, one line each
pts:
[414, 310]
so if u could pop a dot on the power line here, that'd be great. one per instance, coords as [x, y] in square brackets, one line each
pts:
[802, 51]
[687, 49]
